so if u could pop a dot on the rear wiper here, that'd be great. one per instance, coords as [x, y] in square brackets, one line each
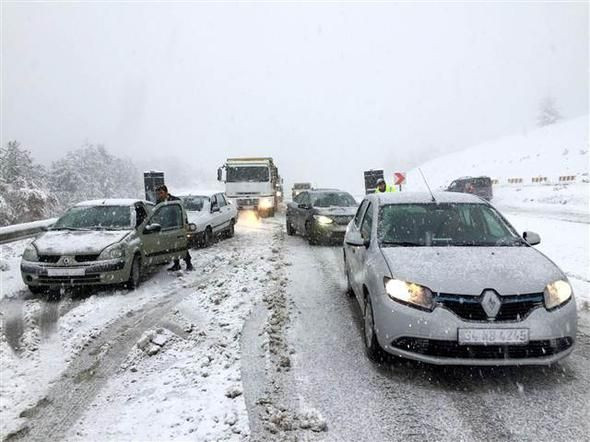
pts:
[401, 244]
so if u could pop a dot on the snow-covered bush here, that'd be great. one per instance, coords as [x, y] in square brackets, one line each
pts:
[23, 187]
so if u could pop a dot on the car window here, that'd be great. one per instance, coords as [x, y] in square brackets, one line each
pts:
[333, 199]
[140, 214]
[305, 198]
[214, 201]
[360, 212]
[169, 217]
[95, 218]
[446, 224]
[220, 200]
[367, 222]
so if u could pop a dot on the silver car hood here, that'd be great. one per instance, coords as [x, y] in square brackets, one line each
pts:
[471, 270]
[65, 242]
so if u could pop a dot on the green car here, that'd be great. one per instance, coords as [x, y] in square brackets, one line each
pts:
[106, 242]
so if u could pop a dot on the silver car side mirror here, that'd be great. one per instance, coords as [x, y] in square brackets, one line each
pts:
[355, 239]
[532, 238]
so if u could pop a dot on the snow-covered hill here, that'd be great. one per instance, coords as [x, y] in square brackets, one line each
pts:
[546, 168]
[551, 151]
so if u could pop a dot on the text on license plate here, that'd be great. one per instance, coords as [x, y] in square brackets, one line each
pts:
[65, 272]
[493, 336]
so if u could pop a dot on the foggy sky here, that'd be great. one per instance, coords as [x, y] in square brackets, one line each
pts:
[328, 90]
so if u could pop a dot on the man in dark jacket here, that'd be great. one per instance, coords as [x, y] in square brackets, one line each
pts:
[163, 196]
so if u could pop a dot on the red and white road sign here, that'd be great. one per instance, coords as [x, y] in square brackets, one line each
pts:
[399, 178]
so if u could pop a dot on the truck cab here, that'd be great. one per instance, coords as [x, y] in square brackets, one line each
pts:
[252, 184]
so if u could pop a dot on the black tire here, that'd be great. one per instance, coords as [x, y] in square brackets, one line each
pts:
[349, 290]
[134, 274]
[374, 351]
[290, 229]
[312, 237]
[36, 290]
[231, 230]
[208, 238]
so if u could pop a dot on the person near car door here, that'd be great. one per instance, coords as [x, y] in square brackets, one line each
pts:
[162, 197]
[383, 187]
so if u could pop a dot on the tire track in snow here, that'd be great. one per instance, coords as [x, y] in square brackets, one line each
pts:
[86, 375]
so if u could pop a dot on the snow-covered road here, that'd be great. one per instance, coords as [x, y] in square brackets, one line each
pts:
[261, 343]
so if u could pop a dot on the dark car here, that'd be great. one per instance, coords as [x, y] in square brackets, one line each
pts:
[321, 214]
[480, 186]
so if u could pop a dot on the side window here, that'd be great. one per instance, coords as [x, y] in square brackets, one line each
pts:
[169, 217]
[214, 201]
[297, 198]
[305, 199]
[220, 200]
[359, 213]
[140, 214]
[367, 222]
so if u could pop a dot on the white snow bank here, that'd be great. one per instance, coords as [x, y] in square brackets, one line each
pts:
[552, 151]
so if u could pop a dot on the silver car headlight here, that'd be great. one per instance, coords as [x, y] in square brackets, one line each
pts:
[30, 253]
[115, 251]
[557, 293]
[323, 220]
[409, 293]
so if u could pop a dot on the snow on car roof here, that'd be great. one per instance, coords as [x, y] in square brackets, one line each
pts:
[425, 197]
[110, 202]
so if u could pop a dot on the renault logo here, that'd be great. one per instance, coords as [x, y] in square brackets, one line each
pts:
[66, 261]
[491, 303]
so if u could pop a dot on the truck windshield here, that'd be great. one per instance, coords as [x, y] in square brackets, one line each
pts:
[95, 218]
[432, 225]
[253, 174]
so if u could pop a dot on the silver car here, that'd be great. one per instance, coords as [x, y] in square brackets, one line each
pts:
[445, 279]
[105, 242]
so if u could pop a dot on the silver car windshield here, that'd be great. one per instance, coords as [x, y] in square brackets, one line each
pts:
[431, 225]
[95, 218]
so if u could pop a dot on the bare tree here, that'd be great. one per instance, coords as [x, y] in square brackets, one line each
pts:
[548, 112]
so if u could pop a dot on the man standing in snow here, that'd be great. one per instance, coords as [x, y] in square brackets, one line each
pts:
[163, 196]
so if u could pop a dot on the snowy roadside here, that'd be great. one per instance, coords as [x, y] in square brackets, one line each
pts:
[183, 379]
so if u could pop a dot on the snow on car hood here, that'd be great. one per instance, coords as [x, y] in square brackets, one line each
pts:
[66, 242]
[471, 270]
[336, 211]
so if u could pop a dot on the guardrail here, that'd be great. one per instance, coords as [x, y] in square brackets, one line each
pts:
[22, 231]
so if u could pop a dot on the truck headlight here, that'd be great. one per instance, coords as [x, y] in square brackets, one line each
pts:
[115, 251]
[30, 253]
[265, 203]
[557, 293]
[409, 293]
[323, 220]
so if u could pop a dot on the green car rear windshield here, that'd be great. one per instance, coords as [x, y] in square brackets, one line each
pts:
[444, 224]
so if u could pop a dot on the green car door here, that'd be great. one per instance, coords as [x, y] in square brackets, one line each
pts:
[165, 233]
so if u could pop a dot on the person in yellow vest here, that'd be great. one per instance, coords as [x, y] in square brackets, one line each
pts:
[383, 187]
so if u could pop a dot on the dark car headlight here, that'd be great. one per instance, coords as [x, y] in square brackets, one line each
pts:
[557, 293]
[409, 293]
[323, 220]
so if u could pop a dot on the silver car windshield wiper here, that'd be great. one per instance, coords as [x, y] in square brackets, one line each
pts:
[401, 244]
[74, 229]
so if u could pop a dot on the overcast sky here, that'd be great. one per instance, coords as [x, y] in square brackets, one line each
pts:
[328, 90]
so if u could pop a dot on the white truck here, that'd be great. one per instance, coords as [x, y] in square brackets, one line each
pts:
[252, 183]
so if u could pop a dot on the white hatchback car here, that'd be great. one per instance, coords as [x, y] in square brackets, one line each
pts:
[212, 213]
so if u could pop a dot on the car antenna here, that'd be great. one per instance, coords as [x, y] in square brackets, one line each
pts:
[427, 186]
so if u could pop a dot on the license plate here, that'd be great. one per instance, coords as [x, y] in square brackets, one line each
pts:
[66, 272]
[493, 336]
